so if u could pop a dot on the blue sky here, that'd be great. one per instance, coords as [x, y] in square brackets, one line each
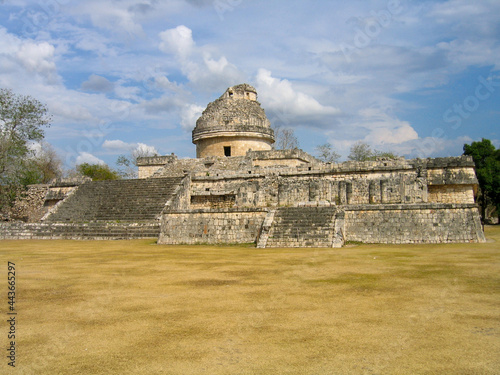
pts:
[419, 78]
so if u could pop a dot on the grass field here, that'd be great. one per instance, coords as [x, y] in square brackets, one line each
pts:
[134, 307]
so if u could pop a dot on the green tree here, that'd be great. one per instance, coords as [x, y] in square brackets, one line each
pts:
[326, 153]
[22, 122]
[361, 151]
[487, 160]
[41, 166]
[97, 172]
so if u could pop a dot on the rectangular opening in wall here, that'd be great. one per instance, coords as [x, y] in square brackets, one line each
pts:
[227, 150]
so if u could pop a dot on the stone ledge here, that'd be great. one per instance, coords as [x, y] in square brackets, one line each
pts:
[412, 206]
[217, 210]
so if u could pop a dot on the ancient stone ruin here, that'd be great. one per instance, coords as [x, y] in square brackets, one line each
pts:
[240, 190]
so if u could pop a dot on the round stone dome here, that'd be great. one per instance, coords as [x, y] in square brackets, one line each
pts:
[233, 124]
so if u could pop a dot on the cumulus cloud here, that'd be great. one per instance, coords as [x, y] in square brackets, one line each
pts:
[198, 64]
[86, 157]
[383, 128]
[117, 146]
[178, 40]
[189, 114]
[143, 149]
[37, 57]
[31, 59]
[210, 73]
[278, 95]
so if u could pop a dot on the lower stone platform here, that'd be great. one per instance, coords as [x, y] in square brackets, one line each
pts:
[283, 226]
[413, 223]
[78, 231]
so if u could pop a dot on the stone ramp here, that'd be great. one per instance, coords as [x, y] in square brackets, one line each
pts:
[306, 227]
[137, 200]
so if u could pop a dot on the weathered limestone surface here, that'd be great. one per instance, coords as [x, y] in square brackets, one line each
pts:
[305, 227]
[239, 190]
[415, 223]
[78, 231]
[232, 125]
[126, 200]
[211, 226]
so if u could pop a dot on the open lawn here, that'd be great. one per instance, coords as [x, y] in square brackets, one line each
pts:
[134, 307]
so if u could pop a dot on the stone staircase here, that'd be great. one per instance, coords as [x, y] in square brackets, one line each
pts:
[79, 231]
[306, 227]
[137, 200]
[266, 227]
[120, 209]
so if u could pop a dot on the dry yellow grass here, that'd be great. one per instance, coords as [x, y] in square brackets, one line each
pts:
[133, 307]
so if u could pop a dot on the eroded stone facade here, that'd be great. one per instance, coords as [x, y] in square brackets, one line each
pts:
[239, 190]
[232, 125]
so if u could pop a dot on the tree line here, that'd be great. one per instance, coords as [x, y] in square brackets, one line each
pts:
[26, 159]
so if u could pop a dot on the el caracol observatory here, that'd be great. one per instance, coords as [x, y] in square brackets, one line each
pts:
[233, 124]
[240, 190]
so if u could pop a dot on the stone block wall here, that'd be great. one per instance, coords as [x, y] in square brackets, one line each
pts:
[415, 223]
[451, 193]
[78, 231]
[212, 201]
[29, 206]
[238, 145]
[211, 226]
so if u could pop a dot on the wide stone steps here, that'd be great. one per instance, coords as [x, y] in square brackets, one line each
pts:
[79, 231]
[302, 227]
[120, 200]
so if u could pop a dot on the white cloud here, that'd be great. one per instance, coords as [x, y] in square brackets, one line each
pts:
[197, 63]
[210, 74]
[115, 17]
[118, 146]
[464, 53]
[163, 104]
[70, 111]
[86, 157]
[143, 149]
[37, 57]
[189, 114]
[32, 60]
[280, 96]
[432, 146]
[178, 40]
[384, 129]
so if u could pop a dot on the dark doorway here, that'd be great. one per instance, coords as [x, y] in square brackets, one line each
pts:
[227, 150]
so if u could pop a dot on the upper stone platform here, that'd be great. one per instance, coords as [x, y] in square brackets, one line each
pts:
[233, 124]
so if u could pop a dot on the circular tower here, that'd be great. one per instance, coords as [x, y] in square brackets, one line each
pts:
[232, 125]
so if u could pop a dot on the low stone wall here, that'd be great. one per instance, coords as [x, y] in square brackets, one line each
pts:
[416, 223]
[78, 231]
[211, 226]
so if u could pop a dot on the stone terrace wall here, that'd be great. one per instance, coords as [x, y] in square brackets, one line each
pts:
[211, 226]
[78, 231]
[416, 223]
